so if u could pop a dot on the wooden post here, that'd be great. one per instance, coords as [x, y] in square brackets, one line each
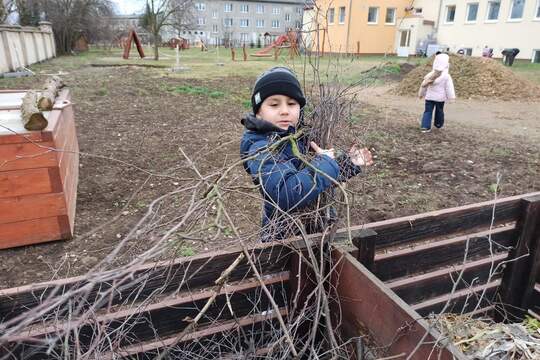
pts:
[244, 53]
[520, 275]
[365, 242]
[358, 48]
[233, 54]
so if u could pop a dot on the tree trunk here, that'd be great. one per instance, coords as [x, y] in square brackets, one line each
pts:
[32, 118]
[52, 86]
[156, 48]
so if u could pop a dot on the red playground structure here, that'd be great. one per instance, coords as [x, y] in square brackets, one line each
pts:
[132, 37]
[288, 40]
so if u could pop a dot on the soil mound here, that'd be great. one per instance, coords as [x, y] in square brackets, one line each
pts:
[475, 78]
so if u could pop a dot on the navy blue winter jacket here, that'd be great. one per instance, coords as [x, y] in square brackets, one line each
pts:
[287, 184]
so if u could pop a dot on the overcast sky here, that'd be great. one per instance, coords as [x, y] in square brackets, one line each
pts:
[129, 6]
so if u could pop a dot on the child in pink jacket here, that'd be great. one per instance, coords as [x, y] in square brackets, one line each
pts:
[437, 88]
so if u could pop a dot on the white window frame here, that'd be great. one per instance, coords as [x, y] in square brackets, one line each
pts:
[244, 23]
[332, 18]
[244, 37]
[488, 20]
[200, 6]
[298, 24]
[299, 10]
[215, 28]
[446, 12]
[393, 17]
[228, 7]
[201, 21]
[536, 15]
[275, 22]
[510, 19]
[376, 15]
[260, 9]
[276, 10]
[215, 14]
[227, 23]
[468, 8]
[342, 14]
[259, 23]
[287, 17]
[244, 7]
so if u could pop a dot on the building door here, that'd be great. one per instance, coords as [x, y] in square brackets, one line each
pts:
[404, 42]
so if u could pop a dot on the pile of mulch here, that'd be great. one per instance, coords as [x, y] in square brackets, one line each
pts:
[475, 78]
[488, 340]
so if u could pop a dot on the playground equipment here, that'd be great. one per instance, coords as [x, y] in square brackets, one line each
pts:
[126, 44]
[286, 41]
[182, 43]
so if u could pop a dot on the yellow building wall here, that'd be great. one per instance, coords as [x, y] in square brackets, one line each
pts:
[356, 34]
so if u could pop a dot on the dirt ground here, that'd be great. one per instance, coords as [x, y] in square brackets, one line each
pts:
[131, 123]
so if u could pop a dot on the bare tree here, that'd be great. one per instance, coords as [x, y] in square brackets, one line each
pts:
[160, 14]
[7, 7]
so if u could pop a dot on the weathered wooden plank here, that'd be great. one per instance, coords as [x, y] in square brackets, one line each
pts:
[520, 275]
[426, 257]
[29, 232]
[28, 207]
[165, 277]
[461, 301]
[27, 137]
[26, 156]
[444, 222]
[365, 242]
[153, 321]
[25, 182]
[416, 289]
[242, 332]
[366, 302]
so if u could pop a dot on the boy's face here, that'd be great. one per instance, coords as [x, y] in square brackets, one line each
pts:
[280, 110]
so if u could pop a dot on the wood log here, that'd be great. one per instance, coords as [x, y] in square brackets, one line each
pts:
[51, 88]
[32, 118]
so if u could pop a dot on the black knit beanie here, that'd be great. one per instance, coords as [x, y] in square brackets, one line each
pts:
[276, 81]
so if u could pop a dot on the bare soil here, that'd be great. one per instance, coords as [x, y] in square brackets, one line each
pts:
[131, 125]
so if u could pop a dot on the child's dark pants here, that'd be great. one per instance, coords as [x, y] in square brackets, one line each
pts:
[428, 114]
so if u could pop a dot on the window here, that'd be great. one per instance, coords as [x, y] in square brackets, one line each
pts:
[373, 15]
[214, 28]
[275, 24]
[244, 22]
[260, 23]
[260, 9]
[298, 24]
[214, 14]
[342, 15]
[390, 16]
[450, 14]
[228, 7]
[244, 8]
[201, 21]
[331, 12]
[276, 10]
[417, 10]
[516, 9]
[227, 22]
[537, 11]
[472, 12]
[200, 6]
[468, 51]
[244, 37]
[493, 10]
[299, 10]
[536, 56]
[405, 38]
[287, 17]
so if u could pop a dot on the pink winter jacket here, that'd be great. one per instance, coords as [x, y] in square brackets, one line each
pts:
[442, 89]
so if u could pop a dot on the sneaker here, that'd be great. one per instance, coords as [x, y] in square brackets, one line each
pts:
[425, 130]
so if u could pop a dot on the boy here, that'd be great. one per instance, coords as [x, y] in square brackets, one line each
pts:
[287, 183]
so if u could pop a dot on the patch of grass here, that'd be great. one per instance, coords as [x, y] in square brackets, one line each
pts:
[102, 92]
[186, 250]
[197, 90]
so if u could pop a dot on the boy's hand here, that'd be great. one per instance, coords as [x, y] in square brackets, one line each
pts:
[329, 152]
[361, 157]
